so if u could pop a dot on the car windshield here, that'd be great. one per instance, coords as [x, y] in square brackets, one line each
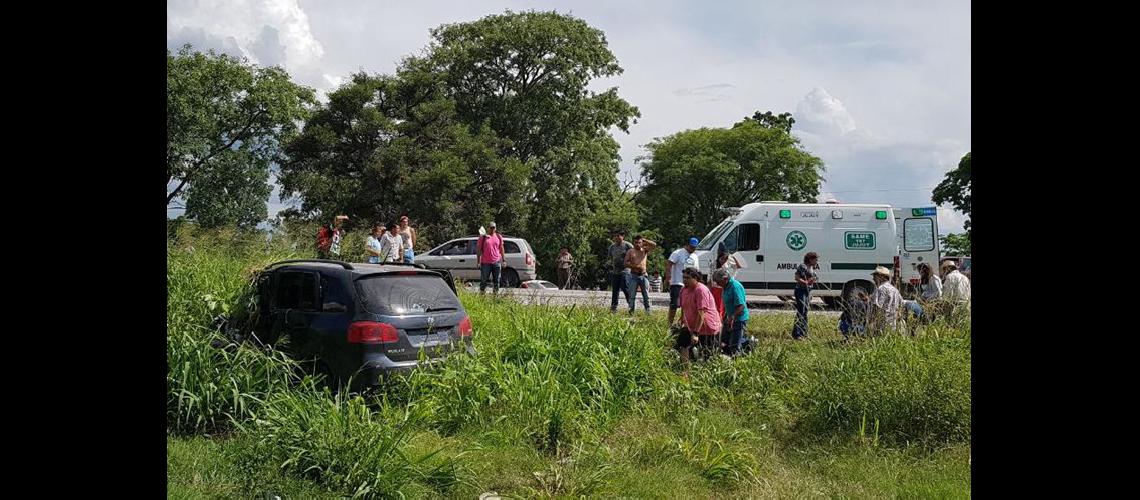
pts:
[707, 242]
[400, 293]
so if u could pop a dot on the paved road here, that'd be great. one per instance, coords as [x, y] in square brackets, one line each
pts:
[660, 300]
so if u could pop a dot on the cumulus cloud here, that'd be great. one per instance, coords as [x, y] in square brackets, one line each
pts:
[863, 167]
[882, 95]
[267, 32]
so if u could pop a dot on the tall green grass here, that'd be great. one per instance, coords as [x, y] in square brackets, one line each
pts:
[564, 383]
[911, 390]
[208, 387]
[340, 442]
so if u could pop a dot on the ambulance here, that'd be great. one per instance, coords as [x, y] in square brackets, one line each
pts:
[769, 240]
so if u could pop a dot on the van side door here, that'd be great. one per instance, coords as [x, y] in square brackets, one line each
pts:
[918, 230]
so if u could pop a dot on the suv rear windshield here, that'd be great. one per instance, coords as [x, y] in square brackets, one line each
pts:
[405, 294]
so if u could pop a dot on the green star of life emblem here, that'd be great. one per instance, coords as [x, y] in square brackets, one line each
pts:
[797, 240]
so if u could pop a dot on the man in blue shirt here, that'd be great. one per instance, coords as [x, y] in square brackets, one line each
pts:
[735, 310]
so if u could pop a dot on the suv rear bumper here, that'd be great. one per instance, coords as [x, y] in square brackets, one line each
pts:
[377, 365]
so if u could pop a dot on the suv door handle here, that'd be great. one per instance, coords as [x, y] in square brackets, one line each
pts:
[759, 258]
[462, 260]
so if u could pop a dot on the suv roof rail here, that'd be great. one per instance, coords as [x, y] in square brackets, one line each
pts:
[320, 261]
[419, 266]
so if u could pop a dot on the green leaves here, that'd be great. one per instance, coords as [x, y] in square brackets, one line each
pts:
[494, 122]
[955, 189]
[692, 176]
[226, 121]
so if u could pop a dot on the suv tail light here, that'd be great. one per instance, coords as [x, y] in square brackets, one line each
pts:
[529, 260]
[465, 329]
[372, 332]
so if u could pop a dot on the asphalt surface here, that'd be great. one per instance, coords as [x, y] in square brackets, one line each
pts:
[770, 304]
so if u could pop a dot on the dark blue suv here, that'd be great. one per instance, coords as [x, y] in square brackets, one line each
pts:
[359, 322]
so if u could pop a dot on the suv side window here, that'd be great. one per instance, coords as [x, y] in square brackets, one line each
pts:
[512, 247]
[333, 293]
[296, 290]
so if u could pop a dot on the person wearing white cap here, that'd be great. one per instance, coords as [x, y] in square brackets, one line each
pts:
[885, 302]
[674, 267]
[490, 251]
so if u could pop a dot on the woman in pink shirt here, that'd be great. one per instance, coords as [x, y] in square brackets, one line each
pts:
[698, 314]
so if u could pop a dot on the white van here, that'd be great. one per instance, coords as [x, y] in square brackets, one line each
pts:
[918, 243]
[771, 239]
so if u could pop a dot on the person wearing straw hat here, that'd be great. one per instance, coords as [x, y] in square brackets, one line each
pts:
[955, 289]
[885, 302]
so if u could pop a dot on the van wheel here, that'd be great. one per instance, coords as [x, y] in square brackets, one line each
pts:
[511, 278]
[852, 289]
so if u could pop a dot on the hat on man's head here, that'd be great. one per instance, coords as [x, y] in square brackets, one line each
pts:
[882, 271]
[949, 264]
[694, 241]
[493, 224]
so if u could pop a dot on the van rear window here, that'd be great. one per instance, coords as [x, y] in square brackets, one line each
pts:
[918, 235]
[394, 294]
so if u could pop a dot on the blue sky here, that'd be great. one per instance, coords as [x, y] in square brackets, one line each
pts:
[880, 90]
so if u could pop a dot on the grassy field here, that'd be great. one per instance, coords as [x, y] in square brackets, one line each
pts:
[562, 402]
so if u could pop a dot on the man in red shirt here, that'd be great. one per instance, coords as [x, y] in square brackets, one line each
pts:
[328, 238]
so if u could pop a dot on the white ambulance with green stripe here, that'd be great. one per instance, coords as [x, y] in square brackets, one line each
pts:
[771, 238]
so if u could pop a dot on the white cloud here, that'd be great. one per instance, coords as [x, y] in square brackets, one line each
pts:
[820, 113]
[268, 32]
[863, 167]
[887, 89]
[950, 220]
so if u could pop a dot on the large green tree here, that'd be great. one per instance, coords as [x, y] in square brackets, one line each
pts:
[494, 121]
[526, 75]
[955, 189]
[690, 177]
[388, 145]
[225, 122]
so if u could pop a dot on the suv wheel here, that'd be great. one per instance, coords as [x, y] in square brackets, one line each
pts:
[511, 278]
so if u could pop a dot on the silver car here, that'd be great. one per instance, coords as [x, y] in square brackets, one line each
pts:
[458, 257]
